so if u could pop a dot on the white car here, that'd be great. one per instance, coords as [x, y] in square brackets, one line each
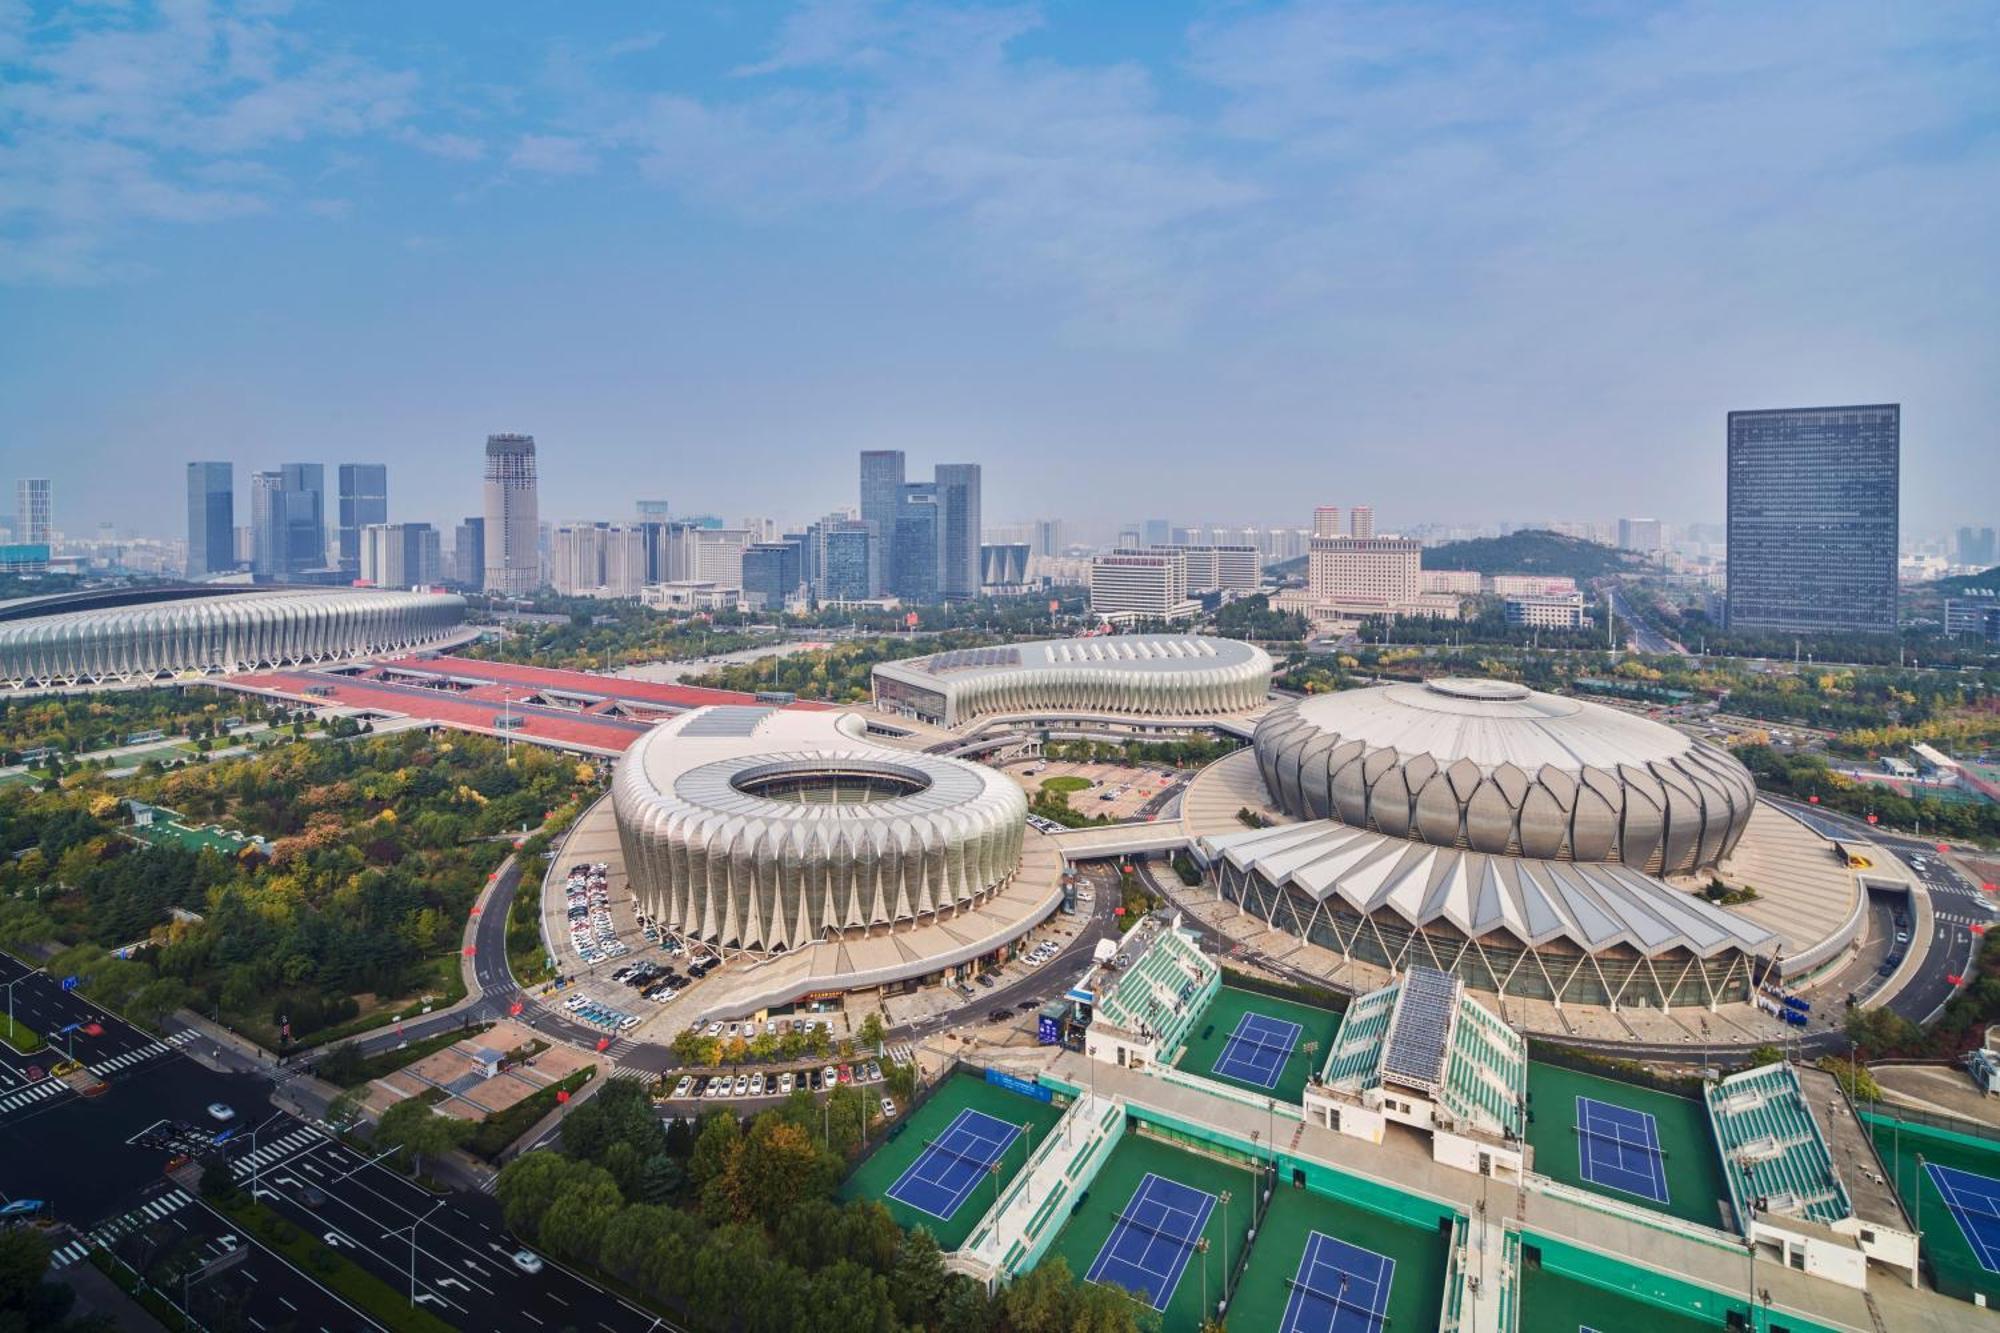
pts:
[527, 1261]
[221, 1112]
[681, 1088]
[888, 1108]
[785, 1084]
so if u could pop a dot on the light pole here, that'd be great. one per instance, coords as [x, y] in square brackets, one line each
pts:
[10, 997]
[1224, 1196]
[254, 1168]
[1201, 1248]
[412, 1229]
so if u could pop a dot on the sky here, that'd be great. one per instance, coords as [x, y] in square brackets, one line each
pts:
[1212, 261]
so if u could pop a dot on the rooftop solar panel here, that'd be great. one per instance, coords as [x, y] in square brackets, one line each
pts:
[1420, 1033]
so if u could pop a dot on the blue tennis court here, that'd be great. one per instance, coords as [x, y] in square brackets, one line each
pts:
[1257, 1050]
[1340, 1288]
[1619, 1148]
[953, 1164]
[1974, 1201]
[1149, 1247]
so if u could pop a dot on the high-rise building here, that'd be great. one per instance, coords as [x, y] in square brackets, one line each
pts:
[211, 531]
[468, 552]
[1157, 532]
[1362, 576]
[1361, 522]
[287, 519]
[881, 504]
[1641, 535]
[1219, 568]
[399, 555]
[1132, 585]
[918, 545]
[1048, 538]
[34, 511]
[1326, 521]
[1813, 518]
[513, 527]
[651, 511]
[847, 566]
[1976, 547]
[770, 574]
[364, 499]
[958, 540]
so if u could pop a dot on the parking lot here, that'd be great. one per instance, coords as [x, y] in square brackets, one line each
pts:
[783, 1080]
[1116, 790]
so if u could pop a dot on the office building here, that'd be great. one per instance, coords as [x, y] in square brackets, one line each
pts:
[1131, 585]
[651, 511]
[211, 530]
[1212, 569]
[1533, 585]
[598, 559]
[1813, 519]
[1976, 547]
[847, 563]
[919, 573]
[34, 512]
[771, 575]
[1975, 612]
[1361, 522]
[287, 519]
[1545, 611]
[1641, 535]
[1157, 532]
[881, 505]
[399, 555]
[1458, 582]
[364, 500]
[1366, 572]
[1326, 521]
[468, 552]
[958, 487]
[513, 525]
[1048, 537]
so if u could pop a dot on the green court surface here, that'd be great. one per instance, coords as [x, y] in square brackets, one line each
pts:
[1416, 1292]
[1098, 1209]
[1210, 1035]
[1957, 1270]
[962, 1091]
[1552, 1303]
[1694, 1172]
[167, 833]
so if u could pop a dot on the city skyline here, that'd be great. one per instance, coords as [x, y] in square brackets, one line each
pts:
[1219, 234]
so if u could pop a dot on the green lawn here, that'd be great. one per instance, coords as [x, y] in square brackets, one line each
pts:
[1416, 1286]
[19, 1035]
[1210, 1035]
[1065, 784]
[1098, 1208]
[1694, 1173]
[963, 1091]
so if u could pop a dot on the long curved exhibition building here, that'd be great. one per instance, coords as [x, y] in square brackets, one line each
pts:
[138, 635]
[1513, 838]
[1126, 675]
[766, 830]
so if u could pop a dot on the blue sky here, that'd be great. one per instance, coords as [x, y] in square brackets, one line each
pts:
[1213, 261]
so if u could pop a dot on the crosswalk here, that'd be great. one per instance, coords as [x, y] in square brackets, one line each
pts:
[31, 1094]
[107, 1234]
[151, 1050]
[276, 1151]
[633, 1074]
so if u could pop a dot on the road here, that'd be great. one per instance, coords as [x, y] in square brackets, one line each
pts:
[1640, 633]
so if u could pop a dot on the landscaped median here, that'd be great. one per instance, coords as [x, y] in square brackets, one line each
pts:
[20, 1036]
[332, 1269]
[503, 1127]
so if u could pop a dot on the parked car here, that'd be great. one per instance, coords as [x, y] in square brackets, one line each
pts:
[828, 1077]
[785, 1083]
[681, 1088]
[888, 1108]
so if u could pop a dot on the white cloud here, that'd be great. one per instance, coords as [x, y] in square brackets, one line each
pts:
[552, 155]
[451, 147]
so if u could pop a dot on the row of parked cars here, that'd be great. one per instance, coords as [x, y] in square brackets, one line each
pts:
[598, 1014]
[658, 982]
[773, 1027]
[588, 893]
[781, 1083]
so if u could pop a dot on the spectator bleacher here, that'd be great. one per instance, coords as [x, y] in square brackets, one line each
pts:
[1773, 1151]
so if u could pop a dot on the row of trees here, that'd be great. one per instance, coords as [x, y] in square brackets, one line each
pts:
[1807, 776]
[737, 1228]
[79, 723]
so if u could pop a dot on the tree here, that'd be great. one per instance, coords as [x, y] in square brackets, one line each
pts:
[421, 1132]
[920, 1277]
[872, 1032]
[528, 1185]
[342, 1064]
[345, 1110]
[574, 1225]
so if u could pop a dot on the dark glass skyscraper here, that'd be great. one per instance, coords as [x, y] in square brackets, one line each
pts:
[881, 503]
[958, 537]
[919, 576]
[364, 500]
[1813, 505]
[211, 497]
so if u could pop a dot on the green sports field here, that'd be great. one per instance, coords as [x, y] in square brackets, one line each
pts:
[1416, 1292]
[1552, 1303]
[1959, 1272]
[1693, 1169]
[1210, 1035]
[962, 1091]
[168, 833]
[1098, 1208]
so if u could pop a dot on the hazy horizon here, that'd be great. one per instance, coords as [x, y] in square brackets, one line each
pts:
[1202, 261]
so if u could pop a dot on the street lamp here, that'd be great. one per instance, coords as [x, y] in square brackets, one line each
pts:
[412, 1229]
[254, 1167]
[10, 996]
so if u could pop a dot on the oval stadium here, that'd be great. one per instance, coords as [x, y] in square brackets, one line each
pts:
[141, 635]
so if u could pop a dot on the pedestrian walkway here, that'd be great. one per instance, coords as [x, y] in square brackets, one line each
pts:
[152, 1049]
[299, 1140]
[107, 1234]
[31, 1094]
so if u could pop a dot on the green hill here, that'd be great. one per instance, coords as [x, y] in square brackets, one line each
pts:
[1988, 579]
[1533, 552]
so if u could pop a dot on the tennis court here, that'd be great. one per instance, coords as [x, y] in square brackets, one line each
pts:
[1340, 1288]
[1258, 1049]
[952, 1165]
[1619, 1148]
[1270, 1046]
[1555, 1303]
[1689, 1183]
[1974, 1201]
[1119, 1200]
[1153, 1239]
[1404, 1262]
[912, 1175]
[1960, 1265]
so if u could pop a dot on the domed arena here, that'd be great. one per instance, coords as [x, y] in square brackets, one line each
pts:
[767, 830]
[1522, 841]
